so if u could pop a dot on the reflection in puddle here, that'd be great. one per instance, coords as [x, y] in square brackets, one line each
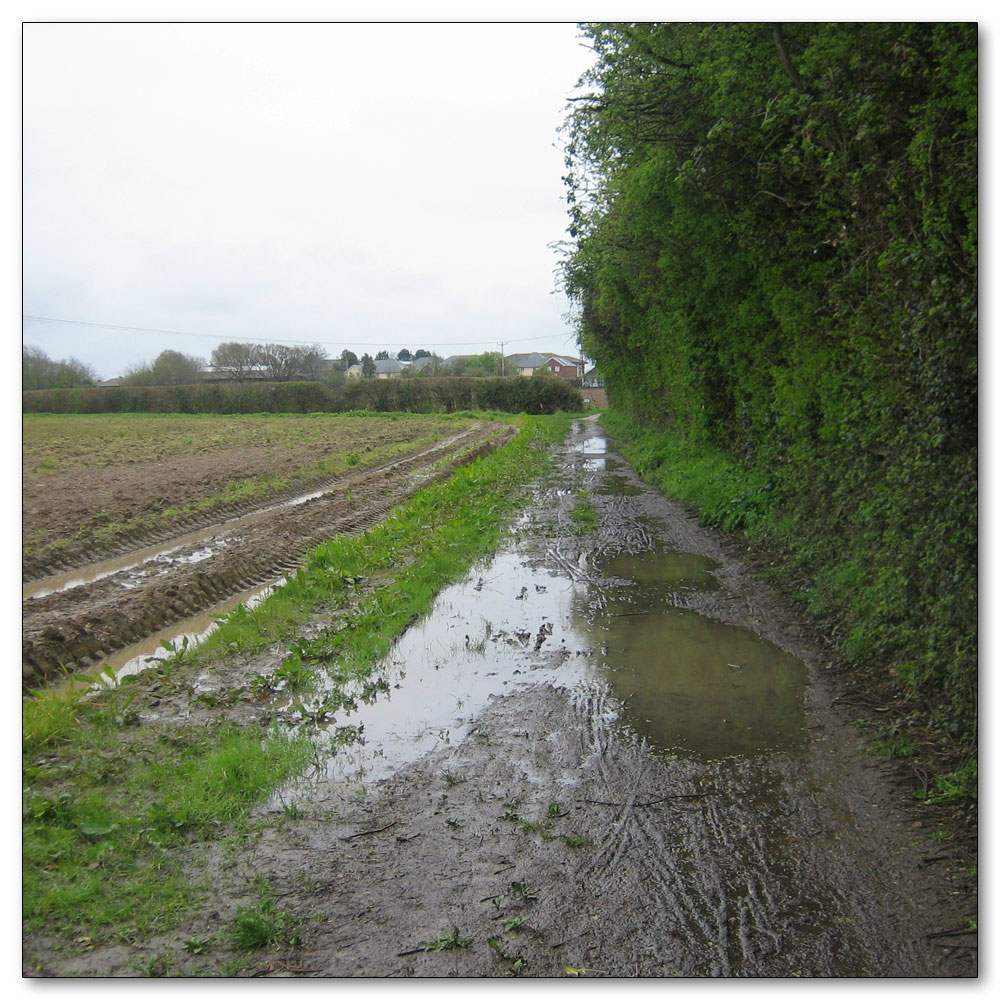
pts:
[479, 641]
[687, 682]
[672, 571]
[596, 445]
[618, 486]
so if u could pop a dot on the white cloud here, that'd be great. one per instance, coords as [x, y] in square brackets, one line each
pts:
[380, 184]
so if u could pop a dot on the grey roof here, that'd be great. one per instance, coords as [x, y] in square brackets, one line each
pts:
[533, 360]
[538, 358]
[383, 366]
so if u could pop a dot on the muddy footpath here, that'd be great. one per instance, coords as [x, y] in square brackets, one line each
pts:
[611, 751]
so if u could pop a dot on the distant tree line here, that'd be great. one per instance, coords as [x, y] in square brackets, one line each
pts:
[241, 361]
[39, 371]
[280, 362]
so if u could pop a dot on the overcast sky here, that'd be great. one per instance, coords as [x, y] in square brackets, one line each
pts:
[353, 185]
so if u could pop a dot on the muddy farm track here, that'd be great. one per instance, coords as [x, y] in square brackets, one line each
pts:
[78, 616]
[611, 751]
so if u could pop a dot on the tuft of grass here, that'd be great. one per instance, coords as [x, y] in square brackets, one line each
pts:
[49, 716]
[97, 851]
[960, 785]
[583, 516]
[263, 925]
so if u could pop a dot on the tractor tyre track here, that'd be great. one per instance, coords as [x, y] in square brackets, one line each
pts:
[82, 625]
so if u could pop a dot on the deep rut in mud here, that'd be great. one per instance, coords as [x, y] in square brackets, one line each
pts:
[79, 625]
[607, 752]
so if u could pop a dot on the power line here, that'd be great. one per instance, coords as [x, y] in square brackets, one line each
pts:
[262, 340]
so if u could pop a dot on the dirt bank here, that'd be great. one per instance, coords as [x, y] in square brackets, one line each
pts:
[544, 789]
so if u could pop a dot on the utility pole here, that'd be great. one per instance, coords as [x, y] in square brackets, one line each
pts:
[502, 342]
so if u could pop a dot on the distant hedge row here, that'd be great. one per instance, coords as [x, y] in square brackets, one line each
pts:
[424, 395]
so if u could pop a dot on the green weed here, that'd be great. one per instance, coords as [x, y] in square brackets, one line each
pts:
[583, 516]
[517, 962]
[449, 941]
[263, 925]
[960, 785]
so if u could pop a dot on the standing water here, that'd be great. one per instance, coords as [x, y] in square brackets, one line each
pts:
[684, 683]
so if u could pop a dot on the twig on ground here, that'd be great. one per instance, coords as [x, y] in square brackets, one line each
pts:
[366, 833]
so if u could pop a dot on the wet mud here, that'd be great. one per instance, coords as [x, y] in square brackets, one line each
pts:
[605, 753]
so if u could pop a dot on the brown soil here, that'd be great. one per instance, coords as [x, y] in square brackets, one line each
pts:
[81, 625]
[543, 836]
[96, 486]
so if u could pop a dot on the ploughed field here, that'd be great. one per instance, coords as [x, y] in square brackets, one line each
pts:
[134, 521]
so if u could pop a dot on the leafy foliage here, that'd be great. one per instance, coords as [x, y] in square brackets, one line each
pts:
[169, 368]
[243, 361]
[775, 256]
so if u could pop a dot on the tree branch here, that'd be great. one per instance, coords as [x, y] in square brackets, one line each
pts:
[786, 63]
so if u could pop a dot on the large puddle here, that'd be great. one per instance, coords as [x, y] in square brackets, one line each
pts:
[479, 641]
[685, 684]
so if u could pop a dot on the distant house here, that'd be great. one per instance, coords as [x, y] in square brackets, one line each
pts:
[384, 368]
[110, 383]
[592, 379]
[525, 363]
[562, 367]
[558, 365]
[419, 364]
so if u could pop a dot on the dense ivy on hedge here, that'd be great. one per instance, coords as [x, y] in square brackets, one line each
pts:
[538, 394]
[775, 254]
